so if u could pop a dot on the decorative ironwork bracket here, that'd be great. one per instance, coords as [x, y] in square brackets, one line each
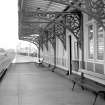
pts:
[74, 24]
[52, 36]
[93, 8]
[42, 15]
[45, 39]
[60, 32]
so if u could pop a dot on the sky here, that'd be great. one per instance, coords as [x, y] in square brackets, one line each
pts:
[8, 23]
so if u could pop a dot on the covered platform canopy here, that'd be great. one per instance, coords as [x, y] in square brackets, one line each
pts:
[41, 18]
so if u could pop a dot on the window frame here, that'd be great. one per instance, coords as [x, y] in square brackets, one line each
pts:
[94, 23]
[96, 58]
[91, 22]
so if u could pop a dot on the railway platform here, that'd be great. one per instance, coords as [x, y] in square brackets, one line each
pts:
[26, 83]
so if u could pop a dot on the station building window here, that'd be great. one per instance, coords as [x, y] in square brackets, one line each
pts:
[100, 43]
[90, 42]
[95, 41]
[95, 46]
[76, 53]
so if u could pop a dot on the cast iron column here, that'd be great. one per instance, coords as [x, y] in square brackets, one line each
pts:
[82, 41]
[54, 48]
[39, 50]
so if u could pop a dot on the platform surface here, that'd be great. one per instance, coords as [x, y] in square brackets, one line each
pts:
[29, 84]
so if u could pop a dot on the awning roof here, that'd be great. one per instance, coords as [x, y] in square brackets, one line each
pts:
[94, 8]
[36, 22]
[33, 5]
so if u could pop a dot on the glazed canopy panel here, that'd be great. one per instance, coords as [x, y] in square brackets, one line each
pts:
[33, 5]
[30, 20]
[32, 8]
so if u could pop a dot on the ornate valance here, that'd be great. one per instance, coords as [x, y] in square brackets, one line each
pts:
[51, 36]
[45, 39]
[41, 41]
[74, 24]
[60, 32]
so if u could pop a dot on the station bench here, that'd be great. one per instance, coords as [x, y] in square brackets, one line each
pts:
[40, 61]
[86, 83]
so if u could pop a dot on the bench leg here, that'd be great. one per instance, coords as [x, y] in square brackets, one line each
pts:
[53, 69]
[96, 95]
[73, 86]
[82, 87]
